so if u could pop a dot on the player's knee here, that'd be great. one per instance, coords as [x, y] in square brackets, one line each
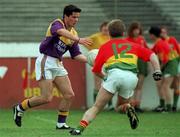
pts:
[47, 99]
[69, 95]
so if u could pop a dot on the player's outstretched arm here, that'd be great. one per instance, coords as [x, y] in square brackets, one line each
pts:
[67, 34]
[81, 58]
[156, 66]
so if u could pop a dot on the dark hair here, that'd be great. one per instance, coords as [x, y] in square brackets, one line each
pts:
[105, 23]
[134, 25]
[155, 30]
[69, 9]
[116, 28]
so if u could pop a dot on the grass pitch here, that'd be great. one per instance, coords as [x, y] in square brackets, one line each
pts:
[41, 123]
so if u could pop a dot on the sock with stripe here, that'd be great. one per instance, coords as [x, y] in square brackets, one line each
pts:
[24, 105]
[82, 125]
[62, 115]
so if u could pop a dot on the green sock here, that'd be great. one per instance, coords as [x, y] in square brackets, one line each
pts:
[168, 107]
[162, 102]
[175, 101]
[81, 128]
[110, 103]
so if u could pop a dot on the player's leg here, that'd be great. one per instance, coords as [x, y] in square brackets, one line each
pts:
[166, 89]
[64, 85]
[161, 106]
[176, 83]
[120, 101]
[97, 85]
[102, 99]
[45, 97]
[143, 71]
[169, 72]
[44, 78]
[138, 93]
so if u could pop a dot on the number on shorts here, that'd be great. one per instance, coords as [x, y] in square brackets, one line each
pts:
[123, 52]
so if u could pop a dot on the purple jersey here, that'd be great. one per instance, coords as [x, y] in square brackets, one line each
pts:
[55, 45]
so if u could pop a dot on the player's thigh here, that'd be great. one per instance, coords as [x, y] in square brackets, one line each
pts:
[64, 85]
[140, 81]
[167, 81]
[46, 87]
[103, 98]
[97, 82]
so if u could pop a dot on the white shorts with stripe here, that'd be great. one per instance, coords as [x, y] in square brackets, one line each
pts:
[121, 81]
[47, 67]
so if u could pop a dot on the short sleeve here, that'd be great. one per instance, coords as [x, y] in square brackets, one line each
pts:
[144, 53]
[56, 26]
[99, 61]
[74, 50]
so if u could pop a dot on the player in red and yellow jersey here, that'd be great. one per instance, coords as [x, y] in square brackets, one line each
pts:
[98, 40]
[168, 66]
[175, 52]
[119, 58]
[135, 35]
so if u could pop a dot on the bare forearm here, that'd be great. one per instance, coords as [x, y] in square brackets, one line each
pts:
[155, 62]
[67, 34]
[81, 58]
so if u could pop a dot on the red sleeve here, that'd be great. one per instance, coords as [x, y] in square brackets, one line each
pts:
[99, 61]
[144, 53]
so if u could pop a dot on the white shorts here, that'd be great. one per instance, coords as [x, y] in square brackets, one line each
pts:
[47, 67]
[121, 81]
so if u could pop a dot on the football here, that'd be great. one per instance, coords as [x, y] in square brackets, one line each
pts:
[91, 56]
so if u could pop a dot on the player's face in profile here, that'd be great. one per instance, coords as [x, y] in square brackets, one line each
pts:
[104, 30]
[73, 19]
[163, 33]
[151, 36]
[136, 32]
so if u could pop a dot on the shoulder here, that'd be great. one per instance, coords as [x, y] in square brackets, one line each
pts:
[172, 38]
[73, 31]
[95, 35]
[58, 22]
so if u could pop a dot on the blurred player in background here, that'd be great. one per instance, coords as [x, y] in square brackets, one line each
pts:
[99, 39]
[135, 35]
[60, 37]
[176, 53]
[169, 66]
[119, 57]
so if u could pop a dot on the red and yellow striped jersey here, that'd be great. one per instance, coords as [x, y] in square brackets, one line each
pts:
[120, 53]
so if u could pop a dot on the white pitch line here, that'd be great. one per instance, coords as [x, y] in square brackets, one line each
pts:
[44, 119]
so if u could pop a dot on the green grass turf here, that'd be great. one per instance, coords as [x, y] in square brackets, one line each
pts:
[41, 123]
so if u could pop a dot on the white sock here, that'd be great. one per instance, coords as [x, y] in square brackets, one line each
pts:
[19, 109]
[60, 124]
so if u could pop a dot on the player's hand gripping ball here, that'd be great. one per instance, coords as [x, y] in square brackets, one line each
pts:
[91, 56]
[157, 75]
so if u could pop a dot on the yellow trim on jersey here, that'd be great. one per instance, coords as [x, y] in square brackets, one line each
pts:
[67, 41]
[173, 54]
[112, 60]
